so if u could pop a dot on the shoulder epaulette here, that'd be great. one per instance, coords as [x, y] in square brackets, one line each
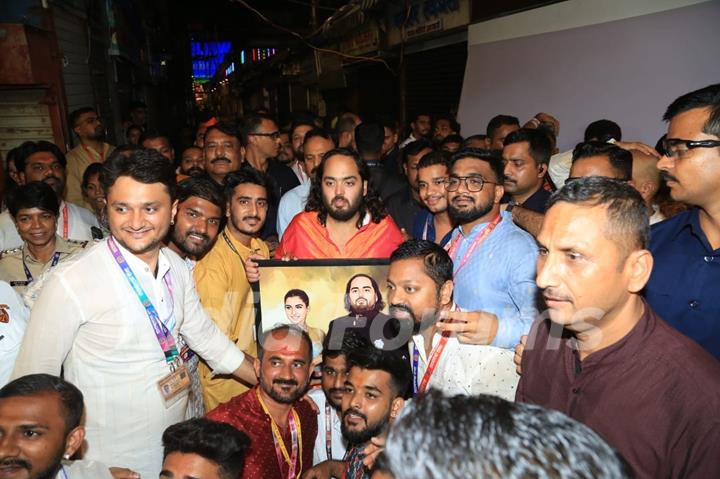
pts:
[82, 244]
[9, 251]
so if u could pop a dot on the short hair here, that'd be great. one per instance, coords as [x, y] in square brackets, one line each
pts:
[370, 204]
[436, 260]
[76, 114]
[31, 147]
[395, 362]
[351, 341]
[92, 170]
[414, 148]
[318, 133]
[627, 215]
[387, 121]
[132, 127]
[301, 122]
[153, 135]
[415, 115]
[505, 439]
[438, 157]
[145, 166]
[217, 442]
[289, 330]
[344, 125]
[36, 384]
[492, 157]
[603, 130]
[380, 304]
[539, 145]
[498, 121]
[708, 97]
[201, 187]
[251, 123]
[452, 139]
[369, 138]
[454, 125]
[246, 174]
[472, 138]
[620, 160]
[227, 128]
[36, 194]
[298, 293]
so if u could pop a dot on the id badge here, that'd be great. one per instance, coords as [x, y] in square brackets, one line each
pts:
[173, 385]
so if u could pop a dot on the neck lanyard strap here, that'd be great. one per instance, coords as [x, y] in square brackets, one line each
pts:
[479, 239]
[66, 221]
[433, 361]
[328, 430]
[162, 333]
[28, 274]
[295, 437]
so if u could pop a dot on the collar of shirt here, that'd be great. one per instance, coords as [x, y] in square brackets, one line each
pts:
[478, 228]
[615, 355]
[241, 248]
[61, 246]
[137, 265]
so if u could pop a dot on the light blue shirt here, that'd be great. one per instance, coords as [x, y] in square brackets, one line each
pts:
[499, 278]
[291, 203]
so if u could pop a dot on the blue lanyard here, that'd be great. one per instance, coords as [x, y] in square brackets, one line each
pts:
[63, 473]
[415, 361]
[162, 333]
[28, 274]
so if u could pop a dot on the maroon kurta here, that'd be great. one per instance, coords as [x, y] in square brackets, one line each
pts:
[654, 396]
[245, 413]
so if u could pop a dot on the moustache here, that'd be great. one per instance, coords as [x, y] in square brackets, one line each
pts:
[667, 176]
[394, 309]
[249, 218]
[339, 197]
[4, 463]
[219, 159]
[555, 294]
[196, 233]
[355, 412]
[462, 198]
[332, 391]
[285, 382]
[195, 170]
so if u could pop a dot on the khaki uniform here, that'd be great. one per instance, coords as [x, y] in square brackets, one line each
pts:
[11, 263]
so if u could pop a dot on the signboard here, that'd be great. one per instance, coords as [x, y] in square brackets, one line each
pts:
[425, 17]
[363, 41]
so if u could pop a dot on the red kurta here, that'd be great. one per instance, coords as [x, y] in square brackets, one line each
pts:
[245, 413]
[306, 238]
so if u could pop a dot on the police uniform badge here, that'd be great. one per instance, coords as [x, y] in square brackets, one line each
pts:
[4, 316]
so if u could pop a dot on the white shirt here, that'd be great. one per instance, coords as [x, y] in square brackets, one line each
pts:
[407, 141]
[80, 220]
[337, 443]
[469, 369]
[291, 203]
[84, 470]
[88, 320]
[13, 322]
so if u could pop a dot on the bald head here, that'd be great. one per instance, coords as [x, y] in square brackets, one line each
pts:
[645, 175]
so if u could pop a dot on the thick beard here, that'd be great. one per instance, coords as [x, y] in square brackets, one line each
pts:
[429, 318]
[180, 243]
[291, 399]
[237, 226]
[345, 215]
[469, 215]
[54, 467]
[361, 437]
[367, 312]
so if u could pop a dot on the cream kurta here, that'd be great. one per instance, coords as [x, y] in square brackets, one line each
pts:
[88, 319]
[469, 369]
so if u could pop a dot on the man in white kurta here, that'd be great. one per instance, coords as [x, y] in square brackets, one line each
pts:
[89, 320]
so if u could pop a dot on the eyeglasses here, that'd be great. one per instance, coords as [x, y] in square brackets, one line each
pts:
[678, 148]
[570, 179]
[472, 183]
[274, 135]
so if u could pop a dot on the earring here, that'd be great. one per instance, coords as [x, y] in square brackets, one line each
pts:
[172, 222]
[66, 457]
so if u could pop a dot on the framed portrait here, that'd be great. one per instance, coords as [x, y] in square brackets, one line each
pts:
[311, 293]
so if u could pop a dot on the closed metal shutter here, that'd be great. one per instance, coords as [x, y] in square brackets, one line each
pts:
[23, 118]
[72, 34]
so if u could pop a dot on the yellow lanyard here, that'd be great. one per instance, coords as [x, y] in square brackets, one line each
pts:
[296, 437]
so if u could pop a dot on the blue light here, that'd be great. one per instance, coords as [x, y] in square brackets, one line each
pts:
[207, 56]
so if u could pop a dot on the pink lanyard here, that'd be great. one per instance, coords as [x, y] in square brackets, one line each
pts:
[452, 250]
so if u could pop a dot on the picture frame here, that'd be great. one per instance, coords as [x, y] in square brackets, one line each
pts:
[324, 282]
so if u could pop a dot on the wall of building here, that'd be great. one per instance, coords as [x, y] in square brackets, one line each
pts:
[582, 60]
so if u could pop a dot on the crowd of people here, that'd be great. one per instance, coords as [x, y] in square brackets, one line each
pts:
[532, 322]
